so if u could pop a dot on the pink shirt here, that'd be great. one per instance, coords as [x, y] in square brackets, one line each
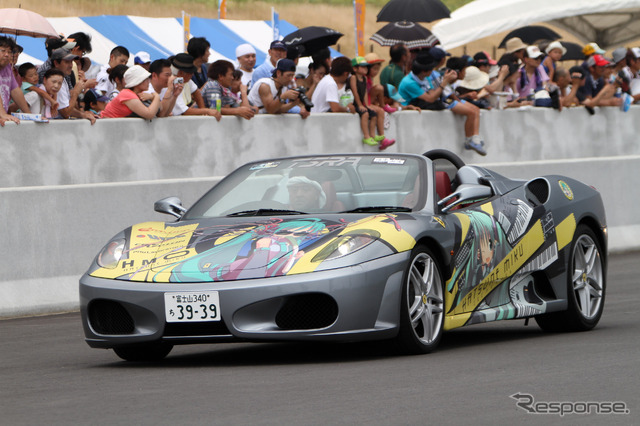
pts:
[7, 84]
[117, 108]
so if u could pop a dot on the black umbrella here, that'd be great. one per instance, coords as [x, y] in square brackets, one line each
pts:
[411, 34]
[530, 34]
[312, 39]
[574, 51]
[413, 11]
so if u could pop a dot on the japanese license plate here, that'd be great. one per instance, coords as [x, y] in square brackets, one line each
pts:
[192, 306]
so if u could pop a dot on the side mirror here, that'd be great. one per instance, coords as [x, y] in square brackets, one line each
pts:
[170, 205]
[466, 194]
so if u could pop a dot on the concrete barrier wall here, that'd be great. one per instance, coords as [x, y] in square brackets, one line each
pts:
[125, 150]
[67, 187]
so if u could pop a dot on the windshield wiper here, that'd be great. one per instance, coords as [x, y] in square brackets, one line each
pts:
[264, 212]
[375, 209]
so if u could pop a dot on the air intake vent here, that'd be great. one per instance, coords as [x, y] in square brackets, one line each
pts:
[307, 311]
[538, 191]
[109, 317]
[210, 328]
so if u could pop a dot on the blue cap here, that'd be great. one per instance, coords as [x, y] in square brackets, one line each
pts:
[437, 53]
[277, 44]
[284, 65]
[391, 92]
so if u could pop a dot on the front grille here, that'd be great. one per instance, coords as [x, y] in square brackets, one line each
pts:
[307, 311]
[109, 317]
[209, 328]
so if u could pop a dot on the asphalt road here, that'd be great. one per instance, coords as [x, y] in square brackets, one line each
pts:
[48, 375]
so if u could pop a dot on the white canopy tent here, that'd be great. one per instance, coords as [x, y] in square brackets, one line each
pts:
[610, 23]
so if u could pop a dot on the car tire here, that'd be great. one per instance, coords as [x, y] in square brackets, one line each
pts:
[586, 285]
[422, 304]
[147, 352]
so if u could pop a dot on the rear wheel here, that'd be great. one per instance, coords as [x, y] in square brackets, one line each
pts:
[144, 352]
[422, 307]
[586, 284]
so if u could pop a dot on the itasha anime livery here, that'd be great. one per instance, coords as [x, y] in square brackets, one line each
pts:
[351, 247]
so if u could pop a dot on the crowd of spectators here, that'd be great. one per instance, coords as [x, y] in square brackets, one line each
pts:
[422, 79]
[525, 76]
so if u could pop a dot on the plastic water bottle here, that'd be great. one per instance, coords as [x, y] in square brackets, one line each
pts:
[216, 102]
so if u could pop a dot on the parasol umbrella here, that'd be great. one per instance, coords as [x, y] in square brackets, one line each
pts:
[574, 51]
[24, 22]
[312, 39]
[411, 34]
[530, 34]
[413, 11]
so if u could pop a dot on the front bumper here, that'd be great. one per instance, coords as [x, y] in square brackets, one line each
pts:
[360, 302]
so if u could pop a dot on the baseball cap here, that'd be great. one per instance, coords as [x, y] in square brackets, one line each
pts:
[359, 61]
[592, 49]
[284, 65]
[141, 57]
[92, 95]
[600, 61]
[390, 91]
[534, 52]
[245, 49]
[62, 54]
[437, 53]
[277, 44]
[619, 54]
[483, 58]
[635, 51]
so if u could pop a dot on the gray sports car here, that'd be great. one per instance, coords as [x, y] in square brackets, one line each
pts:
[350, 247]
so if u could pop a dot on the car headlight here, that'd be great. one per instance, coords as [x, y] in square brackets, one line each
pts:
[345, 245]
[111, 254]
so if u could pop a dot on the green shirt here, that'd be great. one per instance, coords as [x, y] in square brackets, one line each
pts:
[391, 74]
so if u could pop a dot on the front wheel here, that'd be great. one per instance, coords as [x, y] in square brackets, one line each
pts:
[146, 352]
[422, 307]
[586, 284]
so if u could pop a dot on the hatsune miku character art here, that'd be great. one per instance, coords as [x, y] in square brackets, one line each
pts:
[484, 246]
[257, 251]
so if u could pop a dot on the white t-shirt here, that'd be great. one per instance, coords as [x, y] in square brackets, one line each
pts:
[246, 78]
[254, 94]
[326, 91]
[104, 84]
[181, 105]
[63, 96]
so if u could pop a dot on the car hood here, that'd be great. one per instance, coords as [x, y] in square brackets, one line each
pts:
[223, 249]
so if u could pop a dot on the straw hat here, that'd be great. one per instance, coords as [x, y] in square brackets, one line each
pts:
[373, 58]
[474, 79]
[514, 44]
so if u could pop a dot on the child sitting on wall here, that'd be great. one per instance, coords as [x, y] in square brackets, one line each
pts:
[370, 116]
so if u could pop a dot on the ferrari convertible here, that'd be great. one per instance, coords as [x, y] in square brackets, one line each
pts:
[351, 247]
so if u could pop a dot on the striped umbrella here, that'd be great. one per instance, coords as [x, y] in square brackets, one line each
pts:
[411, 34]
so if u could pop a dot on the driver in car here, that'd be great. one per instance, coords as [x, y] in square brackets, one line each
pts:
[305, 195]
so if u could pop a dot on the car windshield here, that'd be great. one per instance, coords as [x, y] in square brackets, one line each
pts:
[330, 184]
